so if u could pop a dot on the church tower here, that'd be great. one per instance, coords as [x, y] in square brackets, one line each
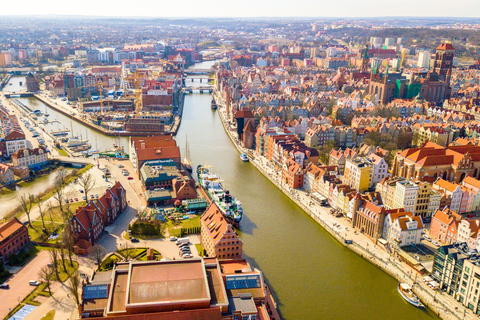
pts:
[444, 60]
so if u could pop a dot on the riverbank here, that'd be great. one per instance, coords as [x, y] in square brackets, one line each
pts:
[341, 230]
[74, 115]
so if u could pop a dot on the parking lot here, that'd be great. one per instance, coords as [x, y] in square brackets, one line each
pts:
[19, 286]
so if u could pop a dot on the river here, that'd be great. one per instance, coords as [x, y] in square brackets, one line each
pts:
[311, 274]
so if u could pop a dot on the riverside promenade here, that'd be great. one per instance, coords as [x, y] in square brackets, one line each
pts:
[442, 304]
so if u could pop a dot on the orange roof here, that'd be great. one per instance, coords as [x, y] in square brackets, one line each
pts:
[10, 227]
[445, 46]
[403, 221]
[472, 182]
[215, 224]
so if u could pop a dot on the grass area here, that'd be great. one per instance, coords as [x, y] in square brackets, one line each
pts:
[107, 263]
[62, 152]
[132, 253]
[53, 222]
[200, 249]
[174, 227]
[49, 316]
[62, 274]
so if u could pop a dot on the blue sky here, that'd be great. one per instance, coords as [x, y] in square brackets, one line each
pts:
[246, 8]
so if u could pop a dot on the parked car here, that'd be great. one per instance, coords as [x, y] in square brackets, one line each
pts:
[435, 243]
[130, 178]
[76, 199]
[173, 238]
[4, 286]
[120, 165]
[34, 283]
[135, 240]
[186, 256]
[81, 190]
[84, 197]
[96, 195]
[109, 186]
[92, 196]
[426, 237]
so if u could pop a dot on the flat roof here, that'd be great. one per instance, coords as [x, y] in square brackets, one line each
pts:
[168, 282]
[215, 285]
[231, 266]
[95, 304]
[119, 289]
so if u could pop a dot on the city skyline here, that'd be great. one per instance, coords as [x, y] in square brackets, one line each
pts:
[251, 8]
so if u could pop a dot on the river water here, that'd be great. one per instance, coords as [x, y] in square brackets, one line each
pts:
[311, 274]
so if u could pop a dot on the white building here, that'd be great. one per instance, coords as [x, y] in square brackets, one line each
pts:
[30, 157]
[378, 169]
[406, 230]
[466, 228]
[406, 195]
[424, 59]
[389, 41]
[13, 146]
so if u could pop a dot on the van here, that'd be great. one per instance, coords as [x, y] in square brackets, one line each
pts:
[34, 283]
[182, 241]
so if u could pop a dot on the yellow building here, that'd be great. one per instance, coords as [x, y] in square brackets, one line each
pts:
[357, 174]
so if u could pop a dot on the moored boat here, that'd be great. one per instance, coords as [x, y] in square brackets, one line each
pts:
[213, 105]
[230, 207]
[244, 157]
[407, 293]
[187, 164]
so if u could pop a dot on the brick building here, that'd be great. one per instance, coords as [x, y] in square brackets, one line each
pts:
[218, 236]
[161, 147]
[88, 223]
[13, 237]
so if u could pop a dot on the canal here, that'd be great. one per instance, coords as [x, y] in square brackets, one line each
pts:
[311, 274]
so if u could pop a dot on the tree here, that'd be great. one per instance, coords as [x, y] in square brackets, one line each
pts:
[324, 151]
[45, 274]
[69, 241]
[97, 253]
[42, 213]
[54, 257]
[61, 253]
[87, 182]
[59, 191]
[74, 286]
[404, 140]
[26, 202]
[126, 252]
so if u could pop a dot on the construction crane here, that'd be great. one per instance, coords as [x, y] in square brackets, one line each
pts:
[138, 95]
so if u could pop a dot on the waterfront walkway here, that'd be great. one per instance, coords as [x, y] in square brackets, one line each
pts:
[441, 303]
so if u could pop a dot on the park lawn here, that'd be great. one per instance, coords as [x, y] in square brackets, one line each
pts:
[36, 231]
[61, 272]
[62, 152]
[56, 214]
[174, 227]
[49, 316]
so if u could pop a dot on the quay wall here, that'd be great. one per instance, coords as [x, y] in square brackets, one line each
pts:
[91, 125]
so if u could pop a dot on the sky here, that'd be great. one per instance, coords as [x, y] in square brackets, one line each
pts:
[245, 8]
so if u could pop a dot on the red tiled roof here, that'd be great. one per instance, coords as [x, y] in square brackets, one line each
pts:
[445, 46]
